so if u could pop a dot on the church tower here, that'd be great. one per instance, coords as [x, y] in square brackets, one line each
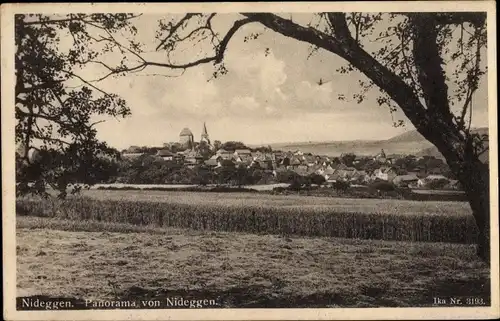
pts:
[204, 135]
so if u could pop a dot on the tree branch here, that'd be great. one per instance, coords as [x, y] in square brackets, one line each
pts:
[428, 63]
[343, 45]
[219, 50]
[56, 21]
[474, 18]
[176, 27]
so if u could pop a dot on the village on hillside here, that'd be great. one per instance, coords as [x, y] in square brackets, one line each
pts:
[275, 165]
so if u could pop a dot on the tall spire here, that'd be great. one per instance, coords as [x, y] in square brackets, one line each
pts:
[204, 132]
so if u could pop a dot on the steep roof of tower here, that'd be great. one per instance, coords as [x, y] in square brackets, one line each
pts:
[204, 132]
[186, 132]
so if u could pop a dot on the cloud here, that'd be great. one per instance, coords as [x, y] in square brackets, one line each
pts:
[314, 96]
[262, 73]
[249, 107]
[191, 94]
[244, 105]
[263, 98]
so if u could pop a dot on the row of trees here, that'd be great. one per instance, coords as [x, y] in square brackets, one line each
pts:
[147, 170]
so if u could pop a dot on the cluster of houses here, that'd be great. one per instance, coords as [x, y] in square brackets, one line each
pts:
[301, 163]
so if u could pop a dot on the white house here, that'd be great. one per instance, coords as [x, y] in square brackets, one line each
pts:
[165, 154]
[385, 173]
[242, 152]
[132, 155]
[424, 181]
[405, 180]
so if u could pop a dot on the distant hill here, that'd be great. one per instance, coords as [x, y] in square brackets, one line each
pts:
[407, 143]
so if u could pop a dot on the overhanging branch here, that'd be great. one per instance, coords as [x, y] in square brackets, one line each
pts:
[474, 18]
[343, 45]
[428, 63]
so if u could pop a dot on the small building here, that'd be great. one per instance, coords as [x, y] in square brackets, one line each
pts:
[295, 162]
[132, 155]
[303, 167]
[346, 173]
[133, 149]
[405, 180]
[424, 182]
[224, 154]
[240, 152]
[298, 153]
[358, 176]
[165, 154]
[386, 173]
[310, 160]
[381, 157]
[325, 171]
[314, 168]
[192, 157]
[227, 163]
[265, 165]
[212, 163]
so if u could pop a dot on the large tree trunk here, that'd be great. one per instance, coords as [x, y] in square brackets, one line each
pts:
[471, 173]
[475, 180]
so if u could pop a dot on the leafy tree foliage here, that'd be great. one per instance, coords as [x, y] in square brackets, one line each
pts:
[54, 118]
[217, 144]
[317, 179]
[348, 159]
[232, 146]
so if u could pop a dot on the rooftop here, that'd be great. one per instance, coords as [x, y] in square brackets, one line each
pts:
[186, 132]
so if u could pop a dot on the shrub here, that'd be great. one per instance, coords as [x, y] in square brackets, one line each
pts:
[437, 183]
[317, 179]
[296, 184]
[340, 186]
[383, 186]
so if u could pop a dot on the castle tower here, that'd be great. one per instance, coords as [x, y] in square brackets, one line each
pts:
[186, 138]
[204, 135]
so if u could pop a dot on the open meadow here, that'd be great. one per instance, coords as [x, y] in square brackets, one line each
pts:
[361, 205]
[97, 260]
[247, 249]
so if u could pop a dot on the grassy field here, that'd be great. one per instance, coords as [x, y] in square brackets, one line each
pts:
[288, 201]
[100, 260]
[267, 214]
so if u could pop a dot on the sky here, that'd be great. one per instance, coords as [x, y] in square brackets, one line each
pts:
[269, 95]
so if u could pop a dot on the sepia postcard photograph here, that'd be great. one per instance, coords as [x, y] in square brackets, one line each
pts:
[250, 161]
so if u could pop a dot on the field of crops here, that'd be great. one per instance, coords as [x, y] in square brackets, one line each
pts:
[368, 206]
[267, 214]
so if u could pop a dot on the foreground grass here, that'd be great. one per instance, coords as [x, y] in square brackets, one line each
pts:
[388, 220]
[89, 260]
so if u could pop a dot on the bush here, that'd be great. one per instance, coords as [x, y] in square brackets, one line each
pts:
[437, 183]
[295, 185]
[279, 189]
[383, 186]
[287, 177]
[341, 186]
[317, 179]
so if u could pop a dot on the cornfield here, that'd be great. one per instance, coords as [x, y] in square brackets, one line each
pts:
[261, 219]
